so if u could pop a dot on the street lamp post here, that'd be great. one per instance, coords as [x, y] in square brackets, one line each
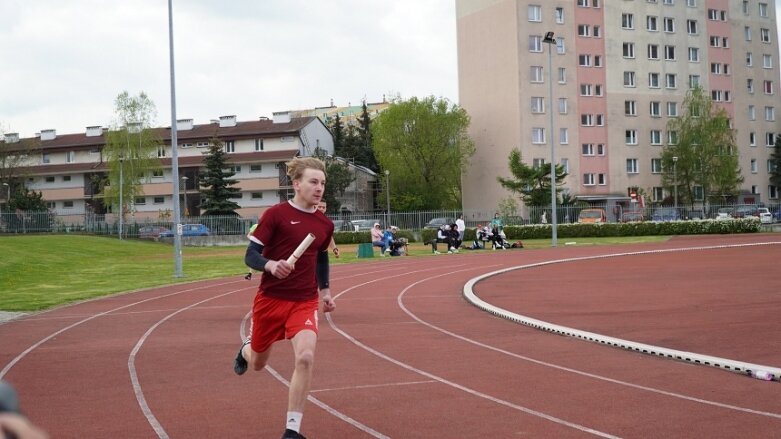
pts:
[387, 195]
[675, 183]
[121, 210]
[554, 223]
[7, 198]
[184, 184]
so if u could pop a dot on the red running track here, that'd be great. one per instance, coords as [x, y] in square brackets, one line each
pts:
[405, 356]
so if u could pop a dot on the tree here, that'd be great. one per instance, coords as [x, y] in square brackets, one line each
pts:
[338, 177]
[532, 184]
[705, 150]
[363, 141]
[217, 184]
[425, 146]
[337, 131]
[131, 149]
[775, 164]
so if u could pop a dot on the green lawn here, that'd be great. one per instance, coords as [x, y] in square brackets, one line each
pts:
[42, 271]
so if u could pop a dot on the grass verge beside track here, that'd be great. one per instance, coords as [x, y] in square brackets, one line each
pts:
[42, 271]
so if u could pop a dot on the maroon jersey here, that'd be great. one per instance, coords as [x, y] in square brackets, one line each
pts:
[281, 230]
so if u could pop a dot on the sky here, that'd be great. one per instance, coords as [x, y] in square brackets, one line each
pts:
[64, 62]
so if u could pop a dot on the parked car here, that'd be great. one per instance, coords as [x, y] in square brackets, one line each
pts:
[592, 216]
[152, 232]
[342, 226]
[724, 213]
[632, 216]
[364, 224]
[745, 211]
[666, 214]
[765, 217]
[189, 230]
[436, 222]
[695, 214]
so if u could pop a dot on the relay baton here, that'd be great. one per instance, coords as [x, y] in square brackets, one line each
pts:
[301, 249]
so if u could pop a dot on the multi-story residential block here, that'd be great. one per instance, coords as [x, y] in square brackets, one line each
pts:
[620, 70]
[66, 168]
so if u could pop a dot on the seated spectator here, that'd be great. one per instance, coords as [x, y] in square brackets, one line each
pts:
[498, 238]
[443, 235]
[455, 240]
[387, 238]
[377, 238]
[481, 237]
[396, 246]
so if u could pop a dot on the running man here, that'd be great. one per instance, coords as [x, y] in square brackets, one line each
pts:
[286, 304]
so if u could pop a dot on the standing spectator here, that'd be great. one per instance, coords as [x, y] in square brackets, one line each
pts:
[377, 238]
[461, 227]
[544, 218]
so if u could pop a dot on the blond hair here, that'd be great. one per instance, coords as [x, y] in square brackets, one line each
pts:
[297, 166]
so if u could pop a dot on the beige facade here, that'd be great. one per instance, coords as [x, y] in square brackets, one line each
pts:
[620, 71]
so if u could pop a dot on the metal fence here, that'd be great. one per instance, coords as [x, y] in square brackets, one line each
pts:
[52, 222]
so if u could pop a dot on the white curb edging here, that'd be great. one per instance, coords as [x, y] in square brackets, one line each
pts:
[691, 357]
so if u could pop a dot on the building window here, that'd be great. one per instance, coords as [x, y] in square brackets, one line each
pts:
[747, 33]
[653, 51]
[139, 201]
[744, 7]
[671, 80]
[694, 54]
[68, 177]
[584, 30]
[584, 60]
[629, 79]
[600, 149]
[51, 205]
[652, 23]
[535, 73]
[767, 61]
[770, 139]
[563, 136]
[583, 3]
[656, 137]
[587, 120]
[562, 75]
[157, 173]
[538, 135]
[672, 137]
[752, 139]
[656, 166]
[630, 108]
[629, 50]
[538, 163]
[655, 109]
[600, 120]
[653, 80]
[694, 81]
[161, 151]
[259, 145]
[202, 145]
[230, 146]
[669, 53]
[601, 179]
[598, 90]
[631, 166]
[561, 49]
[691, 27]
[764, 35]
[767, 86]
[70, 156]
[630, 137]
[535, 13]
[564, 162]
[49, 179]
[46, 158]
[587, 149]
[560, 15]
[588, 179]
[67, 204]
[535, 43]
[770, 114]
[749, 59]
[537, 104]
[257, 195]
[586, 90]
[627, 21]
[669, 24]
[256, 168]
[750, 86]
[672, 109]
[159, 200]
[597, 32]
[563, 106]
[753, 164]
[772, 192]
[658, 193]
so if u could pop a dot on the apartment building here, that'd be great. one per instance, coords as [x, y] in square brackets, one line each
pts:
[66, 168]
[620, 70]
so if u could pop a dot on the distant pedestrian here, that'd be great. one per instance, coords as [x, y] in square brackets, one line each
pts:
[461, 227]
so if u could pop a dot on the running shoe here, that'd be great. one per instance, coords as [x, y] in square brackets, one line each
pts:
[239, 363]
[290, 434]
[248, 276]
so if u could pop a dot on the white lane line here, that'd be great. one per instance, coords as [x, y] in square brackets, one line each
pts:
[691, 357]
[451, 383]
[374, 386]
[24, 353]
[131, 365]
[330, 410]
[579, 372]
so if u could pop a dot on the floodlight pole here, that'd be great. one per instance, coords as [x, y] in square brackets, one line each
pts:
[554, 220]
[174, 147]
[121, 210]
[675, 183]
[387, 195]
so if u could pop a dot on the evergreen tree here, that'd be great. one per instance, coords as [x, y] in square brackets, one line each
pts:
[363, 139]
[337, 131]
[775, 167]
[532, 184]
[217, 184]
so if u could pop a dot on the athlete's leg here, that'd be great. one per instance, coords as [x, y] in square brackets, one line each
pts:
[304, 350]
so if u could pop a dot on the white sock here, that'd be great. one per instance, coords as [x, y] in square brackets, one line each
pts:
[294, 421]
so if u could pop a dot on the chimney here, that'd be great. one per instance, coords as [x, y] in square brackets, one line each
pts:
[282, 117]
[134, 127]
[227, 121]
[48, 134]
[184, 124]
[11, 137]
[94, 131]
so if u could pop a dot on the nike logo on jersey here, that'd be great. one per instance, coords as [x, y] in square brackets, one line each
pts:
[294, 222]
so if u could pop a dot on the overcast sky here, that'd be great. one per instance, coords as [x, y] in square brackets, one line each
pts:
[64, 62]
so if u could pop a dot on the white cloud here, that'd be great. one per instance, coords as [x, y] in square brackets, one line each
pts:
[65, 62]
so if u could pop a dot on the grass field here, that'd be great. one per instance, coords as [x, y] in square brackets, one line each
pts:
[42, 271]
